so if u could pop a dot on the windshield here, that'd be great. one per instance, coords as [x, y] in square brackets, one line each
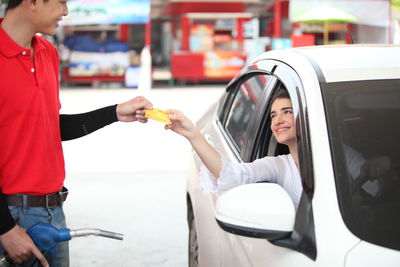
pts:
[364, 128]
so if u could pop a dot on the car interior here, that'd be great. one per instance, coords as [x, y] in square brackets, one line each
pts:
[365, 118]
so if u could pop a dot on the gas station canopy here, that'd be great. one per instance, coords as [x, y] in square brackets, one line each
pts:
[83, 12]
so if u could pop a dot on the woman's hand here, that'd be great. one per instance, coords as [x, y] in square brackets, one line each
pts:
[181, 124]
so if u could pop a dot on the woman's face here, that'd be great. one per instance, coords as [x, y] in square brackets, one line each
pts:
[282, 121]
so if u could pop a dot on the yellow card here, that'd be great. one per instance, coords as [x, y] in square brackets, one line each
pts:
[158, 115]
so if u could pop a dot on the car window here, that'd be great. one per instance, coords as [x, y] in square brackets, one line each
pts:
[363, 123]
[266, 145]
[243, 107]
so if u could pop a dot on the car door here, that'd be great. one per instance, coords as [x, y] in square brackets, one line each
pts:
[229, 134]
[300, 250]
[237, 117]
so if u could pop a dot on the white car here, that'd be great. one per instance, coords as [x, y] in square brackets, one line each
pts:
[343, 96]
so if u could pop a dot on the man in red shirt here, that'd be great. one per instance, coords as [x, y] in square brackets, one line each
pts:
[31, 129]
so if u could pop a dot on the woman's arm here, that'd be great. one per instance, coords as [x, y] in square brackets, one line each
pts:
[183, 126]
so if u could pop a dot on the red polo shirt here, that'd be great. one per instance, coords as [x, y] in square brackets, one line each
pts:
[31, 156]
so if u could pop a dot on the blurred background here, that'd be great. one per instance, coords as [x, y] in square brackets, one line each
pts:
[111, 43]
[130, 178]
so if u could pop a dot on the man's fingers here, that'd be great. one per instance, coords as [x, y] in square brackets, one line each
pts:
[18, 259]
[22, 256]
[144, 103]
[142, 120]
[140, 112]
[40, 257]
[140, 115]
[378, 166]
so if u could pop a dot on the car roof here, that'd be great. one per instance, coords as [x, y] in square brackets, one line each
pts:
[343, 62]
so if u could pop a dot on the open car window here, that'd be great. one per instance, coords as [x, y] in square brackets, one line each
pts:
[266, 145]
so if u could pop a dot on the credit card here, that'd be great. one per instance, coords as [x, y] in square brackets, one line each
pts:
[158, 115]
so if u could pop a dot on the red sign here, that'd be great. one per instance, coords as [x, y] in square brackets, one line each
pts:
[223, 64]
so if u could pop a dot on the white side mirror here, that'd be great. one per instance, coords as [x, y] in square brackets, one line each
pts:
[262, 210]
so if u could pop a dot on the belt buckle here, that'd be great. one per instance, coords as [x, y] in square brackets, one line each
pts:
[47, 201]
[60, 194]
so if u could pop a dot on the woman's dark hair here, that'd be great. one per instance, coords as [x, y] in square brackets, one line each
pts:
[281, 93]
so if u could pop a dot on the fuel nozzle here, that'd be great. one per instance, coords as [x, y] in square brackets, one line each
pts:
[96, 232]
[5, 261]
[45, 236]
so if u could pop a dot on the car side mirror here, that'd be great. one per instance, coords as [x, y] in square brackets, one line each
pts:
[260, 210]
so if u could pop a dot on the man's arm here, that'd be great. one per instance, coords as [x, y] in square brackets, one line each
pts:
[78, 125]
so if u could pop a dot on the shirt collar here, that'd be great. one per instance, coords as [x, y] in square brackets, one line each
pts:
[10, 48]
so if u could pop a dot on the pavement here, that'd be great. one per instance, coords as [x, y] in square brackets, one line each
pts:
[130, 178]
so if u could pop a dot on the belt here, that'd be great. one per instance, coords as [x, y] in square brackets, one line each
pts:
[46, 201]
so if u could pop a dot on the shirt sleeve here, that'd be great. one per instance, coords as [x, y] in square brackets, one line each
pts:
[6, 222]
[77, 125]
[235, 174]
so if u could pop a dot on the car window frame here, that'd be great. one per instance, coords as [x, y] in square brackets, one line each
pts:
[303, 237]
[258, 68]
[350, 209]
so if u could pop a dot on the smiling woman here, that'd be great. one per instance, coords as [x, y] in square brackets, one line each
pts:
[344, 112]
[282, 122]
[220, 174]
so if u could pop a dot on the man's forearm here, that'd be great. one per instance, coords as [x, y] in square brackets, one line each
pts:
[77, 125]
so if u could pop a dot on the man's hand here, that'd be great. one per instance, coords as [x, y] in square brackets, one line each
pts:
[375, 167]
[20, 246]
[133, 110]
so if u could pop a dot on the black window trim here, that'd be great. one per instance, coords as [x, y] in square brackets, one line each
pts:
[227, 100]
[303, 236]
[260, 112]
[222, 118]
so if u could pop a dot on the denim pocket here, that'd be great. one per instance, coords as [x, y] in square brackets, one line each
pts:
[32, 215]
[57, 217]
[14, 211]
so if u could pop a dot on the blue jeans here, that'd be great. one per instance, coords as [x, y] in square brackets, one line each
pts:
[28, 216]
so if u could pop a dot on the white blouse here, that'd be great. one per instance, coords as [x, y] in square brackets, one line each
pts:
[281, 170]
